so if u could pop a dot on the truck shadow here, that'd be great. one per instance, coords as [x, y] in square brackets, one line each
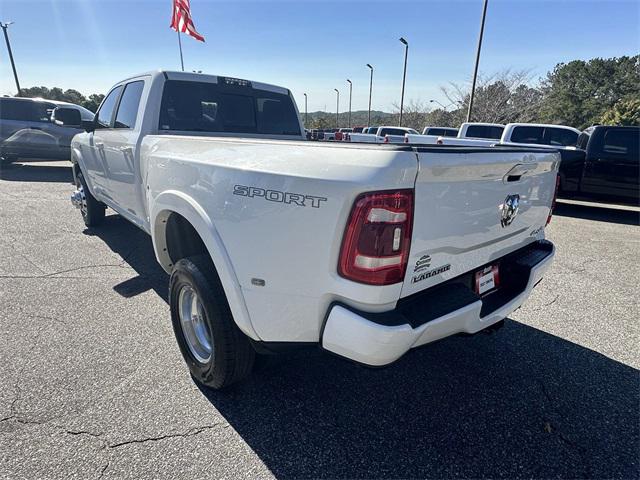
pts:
[518, 403]
[19, 172]
[136, 249]
[597, 213]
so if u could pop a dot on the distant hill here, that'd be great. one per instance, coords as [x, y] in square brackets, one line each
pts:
[359, 117]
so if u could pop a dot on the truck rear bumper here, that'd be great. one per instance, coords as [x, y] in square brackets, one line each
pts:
[381, 338]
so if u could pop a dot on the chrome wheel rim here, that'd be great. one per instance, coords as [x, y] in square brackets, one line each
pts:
[83, 204]
[194, 328]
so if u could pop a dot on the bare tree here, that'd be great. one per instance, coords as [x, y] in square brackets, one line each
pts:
[414, 114]
[500, 98]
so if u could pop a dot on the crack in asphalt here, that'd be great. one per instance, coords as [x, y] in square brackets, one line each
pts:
[551, 427]
[189, 433]
[53, 274]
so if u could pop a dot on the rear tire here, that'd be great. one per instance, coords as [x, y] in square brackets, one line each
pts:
[217, 353]
[92, 210]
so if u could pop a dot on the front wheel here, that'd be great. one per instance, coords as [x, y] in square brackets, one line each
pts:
[91, 209]
[217, 353]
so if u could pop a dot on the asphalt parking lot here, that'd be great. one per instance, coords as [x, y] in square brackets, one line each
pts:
[92, 384]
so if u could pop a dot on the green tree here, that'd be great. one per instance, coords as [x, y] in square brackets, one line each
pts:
[70, 95]
[624, 112]
[578, 93]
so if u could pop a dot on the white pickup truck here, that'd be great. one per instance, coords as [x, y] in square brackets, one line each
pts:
[384, 134]
[272, 241]
[470, 134]
[534, 134]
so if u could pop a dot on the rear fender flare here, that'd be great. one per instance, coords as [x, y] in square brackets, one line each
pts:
[174, 201]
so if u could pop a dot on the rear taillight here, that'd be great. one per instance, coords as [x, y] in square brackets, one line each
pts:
[376, 242]
[553, 202]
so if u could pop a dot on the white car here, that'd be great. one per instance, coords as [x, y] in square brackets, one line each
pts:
[271, 241]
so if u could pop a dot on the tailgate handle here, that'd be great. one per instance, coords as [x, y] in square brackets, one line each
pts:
[516, 173]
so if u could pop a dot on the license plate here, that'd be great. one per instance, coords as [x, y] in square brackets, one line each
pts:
[487, 279]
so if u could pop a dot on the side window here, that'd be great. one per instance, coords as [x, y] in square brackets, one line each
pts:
[105, 114]
[23, 110]
[129, 103]
[583, 140]
[621, 142]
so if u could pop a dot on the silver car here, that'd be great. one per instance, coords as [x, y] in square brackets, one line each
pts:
[28, 128]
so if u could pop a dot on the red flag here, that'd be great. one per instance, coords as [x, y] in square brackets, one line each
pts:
[181, 19]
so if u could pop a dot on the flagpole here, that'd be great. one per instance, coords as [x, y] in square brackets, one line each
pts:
[180, 45]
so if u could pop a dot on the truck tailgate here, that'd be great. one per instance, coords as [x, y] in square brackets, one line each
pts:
[474, 205]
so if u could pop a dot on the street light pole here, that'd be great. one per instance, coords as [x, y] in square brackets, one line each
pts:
[475, 70]
[370, 90]
[350, 92]
[337, 107]
[305, 111]
[404, 76]
[5, 26]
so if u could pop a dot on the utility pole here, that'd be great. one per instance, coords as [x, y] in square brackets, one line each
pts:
[370, 90]
[475, 70]
[305, 111]
[337, 107]
[350, 91]
[404, 76]
[5, 26]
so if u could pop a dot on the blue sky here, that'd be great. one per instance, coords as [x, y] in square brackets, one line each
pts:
[310, 46]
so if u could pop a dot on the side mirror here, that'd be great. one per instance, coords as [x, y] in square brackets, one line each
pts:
[67, 117]
[88, 125]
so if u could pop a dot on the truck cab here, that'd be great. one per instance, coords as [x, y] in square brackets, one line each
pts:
[605, 165]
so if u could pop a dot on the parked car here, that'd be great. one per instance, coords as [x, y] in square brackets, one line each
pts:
[274, 242]
[27, 129]
[440, 131]
[539, 134]
[604, 166]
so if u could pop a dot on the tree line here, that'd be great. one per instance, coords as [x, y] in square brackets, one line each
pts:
[578, 93]
[92, 102]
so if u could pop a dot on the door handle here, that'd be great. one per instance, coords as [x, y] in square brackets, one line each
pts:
[99, 145]
[516, 173]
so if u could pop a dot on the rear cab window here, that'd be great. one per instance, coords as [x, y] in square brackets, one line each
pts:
[229, 106]
[442, 132]
[484, 131]
[528, 135]
[560, 137]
